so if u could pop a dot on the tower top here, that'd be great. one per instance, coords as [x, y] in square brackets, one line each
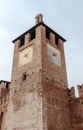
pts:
[39, 18]
[39, 21]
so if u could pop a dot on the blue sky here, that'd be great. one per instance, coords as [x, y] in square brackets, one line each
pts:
[64, 16]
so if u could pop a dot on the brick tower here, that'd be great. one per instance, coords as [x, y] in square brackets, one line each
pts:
[38, 92]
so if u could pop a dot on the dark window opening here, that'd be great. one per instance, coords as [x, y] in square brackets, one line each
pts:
[80, 87]
[54, 54]
[81, 102]
[32, 35]
[22, 41]
[24, 76]
[7, 85]
[47, 34]
[1, 120]
[46, 78]
[56, 41]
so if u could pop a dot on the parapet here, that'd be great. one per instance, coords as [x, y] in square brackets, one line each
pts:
[76, 108]
[72, 92]
[4, 91]
[80, 90]
[73, 99]
[4, 84]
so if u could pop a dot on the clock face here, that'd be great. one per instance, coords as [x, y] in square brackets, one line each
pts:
[25, 55]
[54, 55]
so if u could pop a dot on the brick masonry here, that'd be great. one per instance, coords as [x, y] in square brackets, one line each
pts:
[38, 97]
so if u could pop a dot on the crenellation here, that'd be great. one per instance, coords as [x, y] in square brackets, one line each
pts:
[80, 90]
[4, 91]
[72, 92]
[4, 100]
[76, 108]
[52, 39]
[27, 38]
[60, 44]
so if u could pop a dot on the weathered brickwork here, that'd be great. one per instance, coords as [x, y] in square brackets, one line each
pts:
[76, 108]
[4, 98]
[38, 97]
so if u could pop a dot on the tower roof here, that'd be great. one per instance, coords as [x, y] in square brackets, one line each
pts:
[39, 21]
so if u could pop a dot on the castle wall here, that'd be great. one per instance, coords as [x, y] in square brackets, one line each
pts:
[4, 100]
[76, 108]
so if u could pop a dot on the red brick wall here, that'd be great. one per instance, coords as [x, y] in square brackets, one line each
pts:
[76, 109]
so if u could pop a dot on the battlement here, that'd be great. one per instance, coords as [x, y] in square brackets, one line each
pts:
[72, 92]
[80, 91]
[76, 107]
[4, 84]
[4, 91]
[77, 101]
